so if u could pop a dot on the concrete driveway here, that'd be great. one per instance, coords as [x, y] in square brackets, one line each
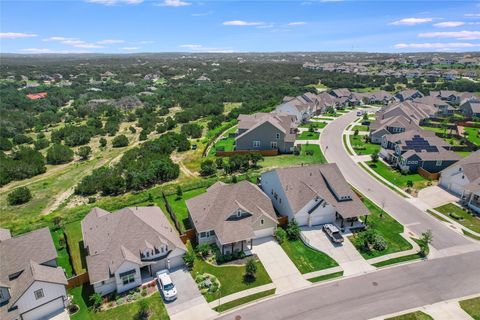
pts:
[435, 196]
[345, 254]
[280, 268]
[190, 304]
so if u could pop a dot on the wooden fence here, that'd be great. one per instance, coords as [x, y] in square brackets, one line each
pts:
[428, 175]
[282, 221]
[79, 280]
[171, 213]
[188, 235]
[266, 153]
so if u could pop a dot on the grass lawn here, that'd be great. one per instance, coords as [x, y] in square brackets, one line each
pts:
[322, 118]
[473, 135]
[63, 259]
[387, 227]
[461, 216]
[231, 277]
[472, 307]
[410, 257]
[360, 128]
[126, 311]
[73, 232]
[226, 143]
[180, 208]
[471, 235]
[396, 177]
[305, 258]
[315, 124]
[326, 277]
[306, 135]
[238, 302]
[287, 160]
[417, 315]
[361, 147]
[463, 153]
[436, 129]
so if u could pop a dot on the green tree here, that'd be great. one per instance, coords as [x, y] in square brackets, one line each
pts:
[143, 310]
[120, 141]
[103, 142]
[84, 152]
[143, 135]
[251, 269]
[219, 163]
[293, 230]
[425, 241]
[280, 235]
[203, 249]
[179, 192]
[207, 168]
[132, 129]
[18, 196]
[96, 301]
[59, 154]
[375, 157]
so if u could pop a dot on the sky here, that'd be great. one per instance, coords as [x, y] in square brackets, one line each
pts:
[129, 26]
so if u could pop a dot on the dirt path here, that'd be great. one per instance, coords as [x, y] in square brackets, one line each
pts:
[178, 159]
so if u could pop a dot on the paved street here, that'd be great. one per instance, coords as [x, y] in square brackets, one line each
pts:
[405, 212]
[375, 294]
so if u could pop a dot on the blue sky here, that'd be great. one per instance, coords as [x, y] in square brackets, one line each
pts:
[126, 26]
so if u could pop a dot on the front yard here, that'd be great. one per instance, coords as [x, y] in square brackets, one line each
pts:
[231, 277]
[361, 147]
[314, 124]
[472, 307]
[360, 128]
[307, 135]
[461, 216]
[417, 315]
[397, 178]
[130, 310]
[385, 226]
[305, 258]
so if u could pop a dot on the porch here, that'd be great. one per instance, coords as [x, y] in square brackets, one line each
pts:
[244, 246]
[349, 224]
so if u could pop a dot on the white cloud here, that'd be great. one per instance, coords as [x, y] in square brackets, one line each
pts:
[16, 35]
[449, 24]
[201, 48]
[115, 2]
[145, 42]
[130, 48]
[59, 39]
[436, 45]
[202, 14]
[411, 21]
[110, 41]
[45, 50]
[475, 15]
[242, 23]
[173, 3]
[74, 42]
[297, 23]
[462, 35]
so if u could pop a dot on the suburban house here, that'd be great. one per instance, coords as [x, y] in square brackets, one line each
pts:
[37, 96]
[232, 216]
[313, 195]
[302, 107]
[341, 93]
[408, 94]
[266, 131]
[127, 247]
[446, 95]
[469, 96]
[377, 97]
[416, 149]
[471, 109]
[416, 111]
[443, 108]
[392, 125]
[31, 285]
[463, 179]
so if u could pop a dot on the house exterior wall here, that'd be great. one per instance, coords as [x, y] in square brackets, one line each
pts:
[267, 223]
[474, 201]
[376, 137]
[454, 180]
[51, 292]
[265, 134]
[325, 213]
[271, 185]
[106, 287]
[289, 109]
[126, 266]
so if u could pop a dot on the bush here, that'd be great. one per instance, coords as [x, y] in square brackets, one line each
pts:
[293, 230]
[189, 259]
[251, 269]
[84, 152]
[103, 142]
[455, 216]
[207, 168]
[96, 300]
[280, 235]
[59, 154]
[379, 243]
[120, 141]
[203, 249]
[19, 196]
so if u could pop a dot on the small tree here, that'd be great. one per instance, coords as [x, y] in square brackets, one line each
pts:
[255, 158]
[179, 192]
[84, 152]
[355, 133]
[96, 301]
[425, 241]
[57, 222]
[143, 135]
[203, 249]
[409, 183]
[219, 163]
[120, 141]
[132, 129]
[280, 235]
[19, 196]
[251, 269]
[59, 154]
[207, 168]
[365, 116]
[375, 157]
[103, 142]
[143, 310]
[311, 128]
[189, 259]
[293, 230]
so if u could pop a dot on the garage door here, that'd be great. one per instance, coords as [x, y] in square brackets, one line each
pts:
[317, 219]
[45, 311]
[267, 232]
[456, 188]
[176, 262]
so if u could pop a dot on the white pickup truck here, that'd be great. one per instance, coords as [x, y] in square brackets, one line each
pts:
[166, 285]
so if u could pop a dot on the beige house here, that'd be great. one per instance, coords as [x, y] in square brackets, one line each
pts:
[232, 215]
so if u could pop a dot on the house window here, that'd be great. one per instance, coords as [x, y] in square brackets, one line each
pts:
[239, 213]
[256, 144]
[128, 279]
[280, 200]
[272, 191]
[278, 135]
[262, 222]
[203, 234]
[439, 163]
[212, 233]
[273, 144]
[39, 294]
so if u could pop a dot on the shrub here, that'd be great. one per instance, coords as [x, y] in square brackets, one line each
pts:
[19, 196]
[293, 230]
[455, 216]
[379, 243]
[103, 142]
[96, 300]
[84, 152]
[280, 235]
[120, 141]
[207, 168]
[375, 157]
[251, 269]
[203, 249]
[59, 154]
[189, 259]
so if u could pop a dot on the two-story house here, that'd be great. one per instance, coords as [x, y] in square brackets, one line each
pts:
[313, 195]
[232, 216]
[127, 247]
[32, 287]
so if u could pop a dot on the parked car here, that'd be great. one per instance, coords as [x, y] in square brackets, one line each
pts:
[166, 285]
[360, 113]
[333, 232]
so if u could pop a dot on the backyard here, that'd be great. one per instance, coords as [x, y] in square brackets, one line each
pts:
[305, 258]
[63, 259]
[461, 216]
[225, 143]
[309, 154]
[396, 177]
[473, 135]
[361, 147]
[385, 226]
[73, 234]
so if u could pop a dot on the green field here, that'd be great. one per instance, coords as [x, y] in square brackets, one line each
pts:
[361, 147]
[461, 216]
[306, 135]
[305, 258]
[396, 177]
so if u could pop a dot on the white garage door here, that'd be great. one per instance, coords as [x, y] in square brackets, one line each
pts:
[176, 262]
[46, 311]
[317, 219]
[456, 188]
[263, 233]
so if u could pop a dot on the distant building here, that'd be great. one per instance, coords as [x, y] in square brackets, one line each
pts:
[37, 96]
